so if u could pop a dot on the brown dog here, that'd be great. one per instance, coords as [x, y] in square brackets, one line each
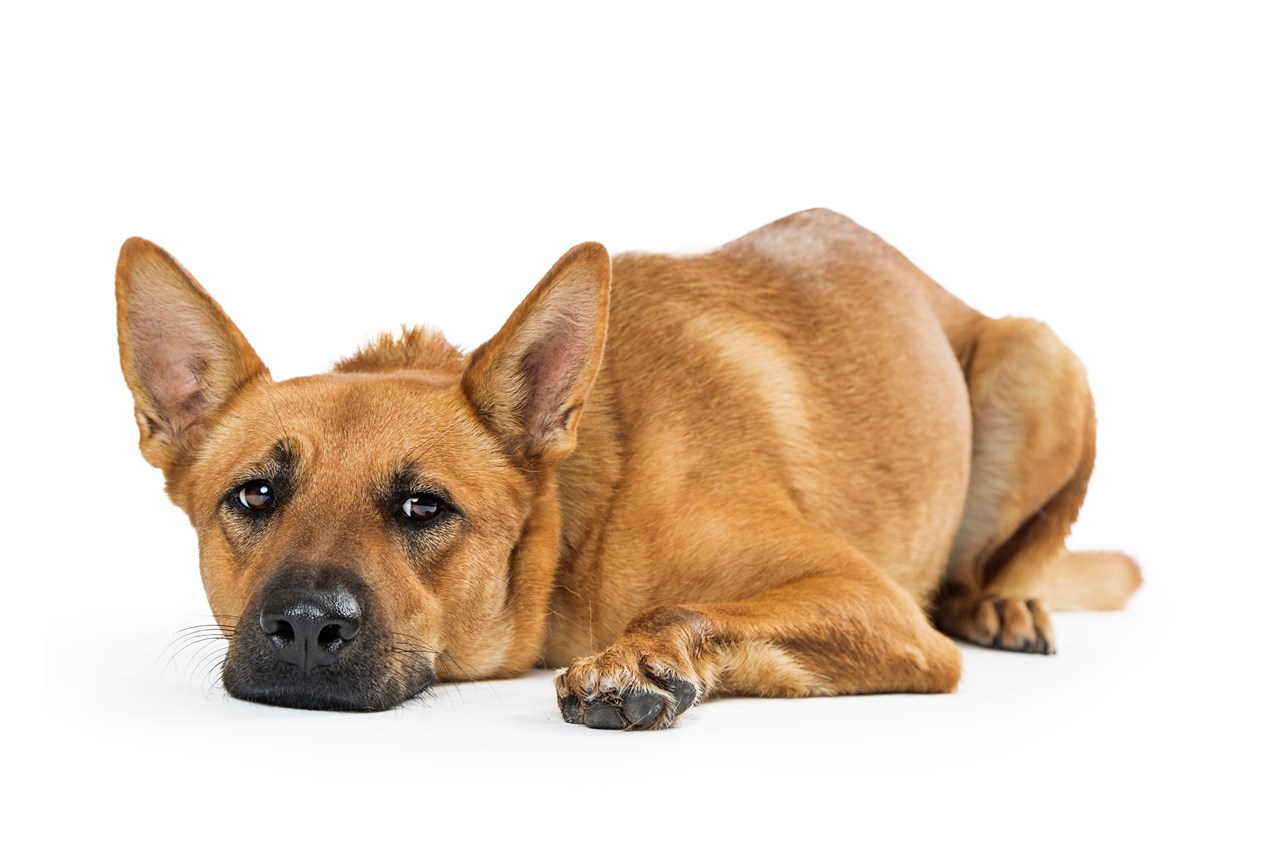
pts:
[792, 451]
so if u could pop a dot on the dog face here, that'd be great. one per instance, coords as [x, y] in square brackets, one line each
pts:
[366, 532]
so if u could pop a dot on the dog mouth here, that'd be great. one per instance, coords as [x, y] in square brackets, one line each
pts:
[370, 677]
[314, 638]
[322, 689]
[352, 685]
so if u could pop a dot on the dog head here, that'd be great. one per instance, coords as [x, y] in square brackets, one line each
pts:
[365, 532]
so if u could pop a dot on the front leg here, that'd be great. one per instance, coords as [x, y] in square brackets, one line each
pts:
[856, 632]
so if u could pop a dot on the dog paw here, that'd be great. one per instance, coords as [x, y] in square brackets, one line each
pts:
[1011, 624]
[620, 690]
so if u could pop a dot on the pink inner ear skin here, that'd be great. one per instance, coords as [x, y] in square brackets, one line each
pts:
[171, 372]
[551, 369]
[529, 378]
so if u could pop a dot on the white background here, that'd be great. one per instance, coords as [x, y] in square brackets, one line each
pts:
[328, 173]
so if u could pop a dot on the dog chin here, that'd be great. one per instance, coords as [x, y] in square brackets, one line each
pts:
[323, 688]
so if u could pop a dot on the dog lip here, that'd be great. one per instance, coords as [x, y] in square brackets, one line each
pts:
[315, 695]
[369, 685]
[323, 690]
[308, 700]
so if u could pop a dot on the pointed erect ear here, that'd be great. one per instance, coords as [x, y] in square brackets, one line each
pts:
[181, 356]
[530, 381]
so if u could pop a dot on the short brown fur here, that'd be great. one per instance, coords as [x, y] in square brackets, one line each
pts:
[794, 456]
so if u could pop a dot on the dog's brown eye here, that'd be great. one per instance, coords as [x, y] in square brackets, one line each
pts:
[256, 495]
[421, 507]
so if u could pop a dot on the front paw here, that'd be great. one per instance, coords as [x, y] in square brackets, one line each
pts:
[618, 689]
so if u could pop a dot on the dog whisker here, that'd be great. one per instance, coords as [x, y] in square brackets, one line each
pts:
[401, 645]
[198, 645]
[194, 631]
[195, 663]
[212, 677]
[218, 621]
[201, 626]
[475, 677]
[182, 641]
[220, 628]
[203, 668]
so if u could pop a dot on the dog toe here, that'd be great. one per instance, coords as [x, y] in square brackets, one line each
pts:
[1010, 624]
[570, 708]
[641, 708]
[684, 692]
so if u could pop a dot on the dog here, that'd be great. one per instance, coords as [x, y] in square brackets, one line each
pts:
[790, 466]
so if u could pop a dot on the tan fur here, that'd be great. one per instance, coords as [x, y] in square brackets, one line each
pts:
[791, 451]
[1093, 580]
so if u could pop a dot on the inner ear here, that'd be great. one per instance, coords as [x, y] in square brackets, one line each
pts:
[531, 380]
[180, 353]
[172, 358]
[554, 363]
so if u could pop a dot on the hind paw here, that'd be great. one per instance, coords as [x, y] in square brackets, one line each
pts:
[1011, 624]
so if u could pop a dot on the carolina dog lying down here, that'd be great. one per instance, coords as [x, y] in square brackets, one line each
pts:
[771, 469]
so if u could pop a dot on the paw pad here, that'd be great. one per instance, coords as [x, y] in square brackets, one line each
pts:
[629, 708]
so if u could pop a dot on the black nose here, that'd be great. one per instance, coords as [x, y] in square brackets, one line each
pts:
[310, 627]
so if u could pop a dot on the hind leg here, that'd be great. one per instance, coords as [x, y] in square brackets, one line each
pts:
[1033, 448]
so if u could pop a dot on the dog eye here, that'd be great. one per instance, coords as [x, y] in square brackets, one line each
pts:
[256, 495]
[422, 507]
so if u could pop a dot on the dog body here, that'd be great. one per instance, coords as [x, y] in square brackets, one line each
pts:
[791, 392]
[791, 453]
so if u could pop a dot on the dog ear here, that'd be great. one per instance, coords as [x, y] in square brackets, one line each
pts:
[530, 381]
[181, 355]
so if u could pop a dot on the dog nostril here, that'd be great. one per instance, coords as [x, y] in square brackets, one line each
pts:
[278, 628]
[330, 635]
[310, 627]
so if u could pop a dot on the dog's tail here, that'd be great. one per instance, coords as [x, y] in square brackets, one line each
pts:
[1093, 580]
